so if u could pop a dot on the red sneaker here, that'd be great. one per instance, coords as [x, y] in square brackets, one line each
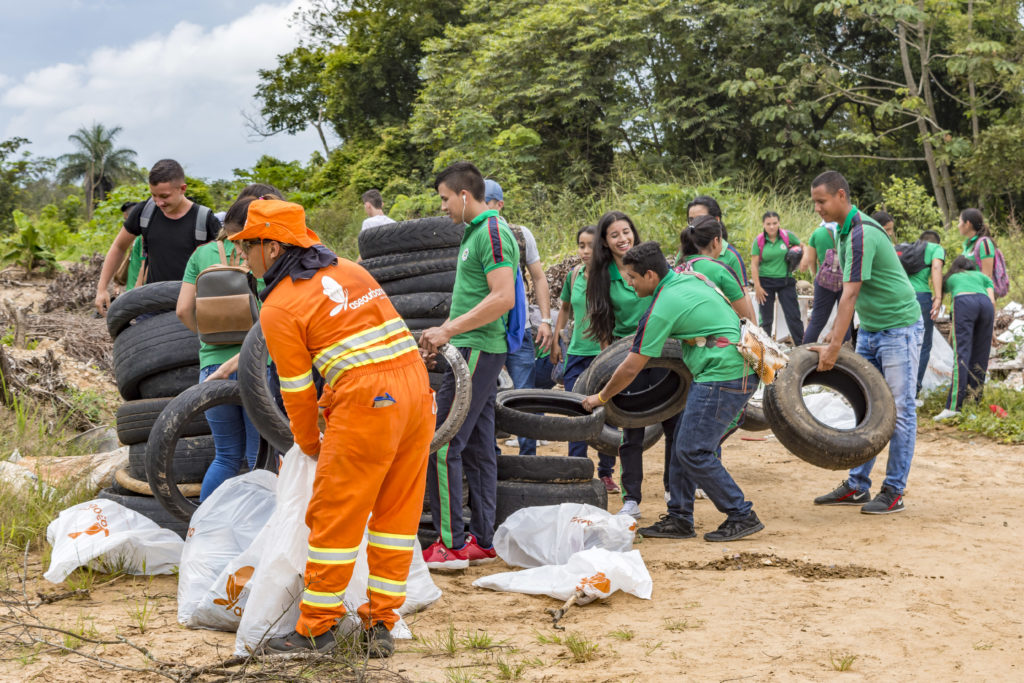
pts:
[477, 553]
[609, 485]
[437, 556]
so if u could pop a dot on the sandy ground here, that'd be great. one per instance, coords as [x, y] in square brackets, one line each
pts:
[933, 593]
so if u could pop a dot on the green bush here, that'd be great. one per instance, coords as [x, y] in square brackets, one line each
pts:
[30, 245]
[912, 207]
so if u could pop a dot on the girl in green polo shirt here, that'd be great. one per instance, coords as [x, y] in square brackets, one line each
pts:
[978, 242]
[701, 247]
[770, 275]
[973, 316]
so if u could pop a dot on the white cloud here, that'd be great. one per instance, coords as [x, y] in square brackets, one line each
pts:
[176, 94]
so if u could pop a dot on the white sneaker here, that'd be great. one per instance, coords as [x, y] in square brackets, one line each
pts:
[918, 402]
[946, 414]
[630, 508]
[700, 495]
[512, 443]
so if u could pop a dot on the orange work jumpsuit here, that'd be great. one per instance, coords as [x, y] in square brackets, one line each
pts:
[380, 420]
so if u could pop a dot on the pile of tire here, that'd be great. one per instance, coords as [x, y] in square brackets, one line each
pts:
[155, 359]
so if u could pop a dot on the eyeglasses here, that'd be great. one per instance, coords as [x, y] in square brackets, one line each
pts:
[247, 245]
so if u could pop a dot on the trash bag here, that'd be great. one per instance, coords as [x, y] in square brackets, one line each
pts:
[596, 572]
[108, 537]
[940, 363]
[830, 408]
[220, 529]
[550, 534]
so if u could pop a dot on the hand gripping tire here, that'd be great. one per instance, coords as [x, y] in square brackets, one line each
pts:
[156, 297]
[523, 412]
[798, 430]
[152, 346]
[654, 397]
[413, 235]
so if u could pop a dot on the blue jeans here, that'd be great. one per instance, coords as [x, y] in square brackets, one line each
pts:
[234, 438]
[925, 300]
[711, 409]
[895, 353]
[542, 373]
[574, 367]
[520, 365]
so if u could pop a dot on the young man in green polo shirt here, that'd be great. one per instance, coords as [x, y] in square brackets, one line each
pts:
[927, 284]
[687, 307]
[484, 293]
[877, 287]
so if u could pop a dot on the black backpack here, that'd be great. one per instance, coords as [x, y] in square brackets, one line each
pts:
[912, 256]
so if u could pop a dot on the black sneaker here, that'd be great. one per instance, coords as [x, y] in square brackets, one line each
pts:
[377, 641]
[844, 495]
[668, 527]
[885, 503]
[294, 642]
[733, 530]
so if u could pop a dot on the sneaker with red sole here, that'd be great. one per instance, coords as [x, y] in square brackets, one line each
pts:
[479, 554]
[609, 485]
[438, 556]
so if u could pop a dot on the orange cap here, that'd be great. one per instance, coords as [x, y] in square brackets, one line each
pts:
[273, 219]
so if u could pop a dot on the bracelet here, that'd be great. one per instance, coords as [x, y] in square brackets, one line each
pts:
[546, 320]
[599, 398]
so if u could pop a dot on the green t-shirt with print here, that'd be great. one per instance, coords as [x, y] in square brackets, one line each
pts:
[627, 307]
[719, 273]
[886, 300]
[575, 294]
[202, 258]
[920, 280]
[968, 282]
[986, 250]
[773, 258]
[685, 307]
[821, 240]
[487, 244]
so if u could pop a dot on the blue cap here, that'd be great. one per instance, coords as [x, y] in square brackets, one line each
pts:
[492, 191]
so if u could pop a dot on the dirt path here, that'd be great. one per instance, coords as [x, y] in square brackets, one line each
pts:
[932, 593]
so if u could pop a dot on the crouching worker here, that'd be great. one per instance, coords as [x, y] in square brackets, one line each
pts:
[329, 313]
[688, 307]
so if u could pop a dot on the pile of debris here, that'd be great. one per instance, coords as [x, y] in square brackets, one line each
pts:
[1007, 361]
[74, 289]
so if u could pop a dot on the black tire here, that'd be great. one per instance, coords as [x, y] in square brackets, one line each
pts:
[135, 420]
[608, 440]
[654, 397]
[516, 495]
[465, 497]
[553, 469]
[417, 325]
[147, 506]
[460, 402]
[149, 347]
[258, 399]
[192, 457]
[434, 282]
[527, 412]
[857, 380]
[418, 234]
[169, 383]
[412, 264]
[152, 298]
[754, 419]
[161, 449]
[423, 304]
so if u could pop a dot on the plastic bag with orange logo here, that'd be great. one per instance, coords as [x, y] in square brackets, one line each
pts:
[109, 537]
[550, 534]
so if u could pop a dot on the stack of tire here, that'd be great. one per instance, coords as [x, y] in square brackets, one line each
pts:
[155, 359]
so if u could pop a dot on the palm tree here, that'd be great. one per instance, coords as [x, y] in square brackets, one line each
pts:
[96, 163]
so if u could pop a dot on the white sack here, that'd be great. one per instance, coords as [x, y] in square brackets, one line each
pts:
[550, 534]
[940, 363]
[830, 408]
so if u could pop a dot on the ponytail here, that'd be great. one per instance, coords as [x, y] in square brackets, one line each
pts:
[977, 221]
[699, 235]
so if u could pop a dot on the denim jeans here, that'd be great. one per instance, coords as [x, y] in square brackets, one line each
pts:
[520, 365]
[234, 438]
[925, 300]
[895, 353]
[574, 367]
[821, 308]
[785, 289]
[711, 409]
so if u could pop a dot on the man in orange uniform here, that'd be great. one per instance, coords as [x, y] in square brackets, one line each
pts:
[329, 313]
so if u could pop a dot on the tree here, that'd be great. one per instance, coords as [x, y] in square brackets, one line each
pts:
[97, 163]
[292, 96]
[10, 174]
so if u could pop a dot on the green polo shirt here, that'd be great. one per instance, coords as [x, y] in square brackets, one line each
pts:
[487, 244]
[575, 294]
[821, 240]
[202, 258]
[719, 273]
[627, 307]
[920, 280]
[134, 264]
[773, 259]
[986, 250]
[685, 307]
[730, 256]
[886, 300]
[969, 282]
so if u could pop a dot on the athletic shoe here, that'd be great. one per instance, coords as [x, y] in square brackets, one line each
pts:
[630, 507]
[668, 497]
[437, 556]
[609, 485]
[732, 530]
[512, 443]
[377, 642]
[699, 495]
[946, 414]
[478, 554]
[668, 527]
[844, 495]
[543, 442]
[293, 642]
[885, 503]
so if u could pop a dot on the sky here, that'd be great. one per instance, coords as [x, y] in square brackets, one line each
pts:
[176, 77]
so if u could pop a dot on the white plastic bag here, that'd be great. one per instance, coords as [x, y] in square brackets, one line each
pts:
[109, 537]
[550, 534]
[940, 363]
[597, 572]
[224, 525]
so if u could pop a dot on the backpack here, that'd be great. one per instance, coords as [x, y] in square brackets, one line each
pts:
[225, 305]
[1000, 278]
[784, 234]
[687, 267]
[201, 235]
[830, 273]
[515, 328]
[912, 256]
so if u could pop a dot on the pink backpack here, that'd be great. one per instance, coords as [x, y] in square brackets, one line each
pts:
[1000, 278]
[784, 234]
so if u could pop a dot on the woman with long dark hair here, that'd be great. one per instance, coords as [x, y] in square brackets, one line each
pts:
[770, 274]
[978, 242]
